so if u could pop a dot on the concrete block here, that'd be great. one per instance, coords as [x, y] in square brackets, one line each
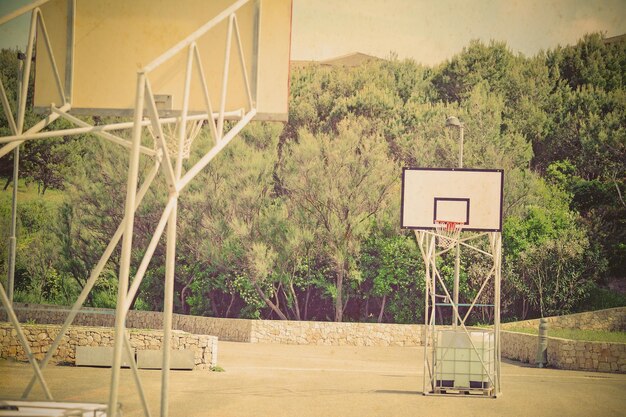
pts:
[99, 356]
[153, 359]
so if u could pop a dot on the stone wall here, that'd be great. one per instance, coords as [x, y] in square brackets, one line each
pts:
[41, 337]
[611, 319]
[518, 346]
[238, 330]
[335, 334]
[235, 330]
[587, 356]
[52, 314]
[232, 330]
[565, 353]
[562, 353]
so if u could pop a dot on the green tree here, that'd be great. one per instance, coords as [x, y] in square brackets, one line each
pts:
[394, 267]
[477, 63]
[342, 183]
[550, 263]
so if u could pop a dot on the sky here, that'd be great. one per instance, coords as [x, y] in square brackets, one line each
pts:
[431, 31]
[428, 31]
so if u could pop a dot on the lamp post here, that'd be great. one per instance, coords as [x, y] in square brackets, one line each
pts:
[453, 122]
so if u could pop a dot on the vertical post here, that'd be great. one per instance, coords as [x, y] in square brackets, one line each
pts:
[24, 342]
[453, 121]
[23, 80]
[432, 257]
[255, 52]
[455, 293]
[220, 119]
[69, 59]
[497, 257]
[168, 305]
[16, 167]
[542, 344]
[170, 254]
[457, 257]
[129, 216]
[13, 237]
[461, 145]
[421, 240]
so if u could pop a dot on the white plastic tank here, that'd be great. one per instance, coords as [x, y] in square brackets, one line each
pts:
[461, 365]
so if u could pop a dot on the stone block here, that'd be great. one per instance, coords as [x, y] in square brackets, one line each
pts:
[153, 359]
[99, 356]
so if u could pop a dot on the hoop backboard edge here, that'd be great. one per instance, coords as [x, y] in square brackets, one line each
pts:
[475, 191]
[102, 82]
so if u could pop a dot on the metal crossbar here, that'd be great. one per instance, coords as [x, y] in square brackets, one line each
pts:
[435, 283]
[464, 305]
[172, 169]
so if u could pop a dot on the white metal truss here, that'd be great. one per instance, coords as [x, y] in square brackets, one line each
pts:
[170, 164]
[437, 294]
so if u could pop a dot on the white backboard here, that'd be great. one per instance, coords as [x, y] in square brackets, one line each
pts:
[472, 197]
[106, 42]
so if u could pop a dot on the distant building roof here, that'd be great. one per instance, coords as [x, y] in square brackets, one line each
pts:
[350, 60]
[615, 39]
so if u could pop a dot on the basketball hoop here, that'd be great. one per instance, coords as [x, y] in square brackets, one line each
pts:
[448, 233]
[171, 131]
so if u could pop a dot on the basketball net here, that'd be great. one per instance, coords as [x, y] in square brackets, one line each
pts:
[448, 233]
[171, 132]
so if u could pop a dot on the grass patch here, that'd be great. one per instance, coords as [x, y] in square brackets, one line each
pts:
[217, 368]
[575, 334]
[26, 193]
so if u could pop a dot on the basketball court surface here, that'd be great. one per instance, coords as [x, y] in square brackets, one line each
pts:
[204, 64]
[283, 380]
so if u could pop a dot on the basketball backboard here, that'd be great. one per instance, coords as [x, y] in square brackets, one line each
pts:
[472, 197]
[106, 42]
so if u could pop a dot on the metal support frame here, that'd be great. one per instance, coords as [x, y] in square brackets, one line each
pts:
[175, 175]
[454, 122]
[435, 287]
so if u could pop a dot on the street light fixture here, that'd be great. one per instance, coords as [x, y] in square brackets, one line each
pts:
[454, 122]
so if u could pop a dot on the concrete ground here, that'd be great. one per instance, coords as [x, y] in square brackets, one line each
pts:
[282, 380]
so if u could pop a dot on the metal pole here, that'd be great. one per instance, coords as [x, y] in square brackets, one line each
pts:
[215, 150]
[31, 133]
[170, 255]
[194, 36]
[21, 11]
[24, 342]
[455, 290]
[461, 146]
[168, 305]
[102, 133]
[16, 168]
[13, 237]
[36, 128]
[421, 237]
[143, 266]
[496, 318]
[53, 63]
[127, 243]
[133, 367]
[457, 258]
[23, 93]
[220, 119]
[433, 310]
[93, 277]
